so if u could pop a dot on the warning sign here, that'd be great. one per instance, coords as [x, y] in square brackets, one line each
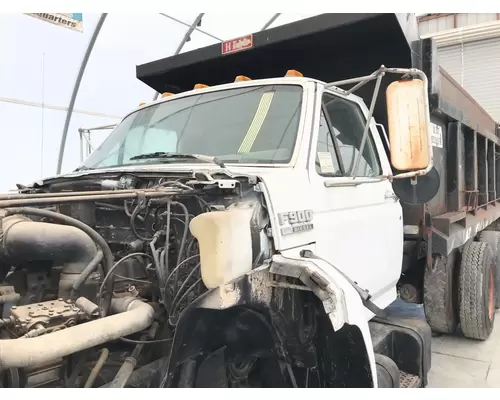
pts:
[437, 136]
[239, 44]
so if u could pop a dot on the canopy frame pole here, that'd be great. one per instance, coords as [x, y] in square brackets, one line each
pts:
[195, 27]
[186, 39]
[78, 81]
[271, 21]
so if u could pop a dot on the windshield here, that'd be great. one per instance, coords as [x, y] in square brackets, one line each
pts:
[252, 125]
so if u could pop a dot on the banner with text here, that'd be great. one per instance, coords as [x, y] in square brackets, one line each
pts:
[72, 21]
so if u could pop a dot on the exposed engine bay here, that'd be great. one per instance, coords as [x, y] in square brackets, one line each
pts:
[96, 272]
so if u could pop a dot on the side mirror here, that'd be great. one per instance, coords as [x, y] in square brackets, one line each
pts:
[408, 123]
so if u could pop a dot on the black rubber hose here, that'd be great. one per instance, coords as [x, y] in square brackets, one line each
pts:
[89, 269]
[186, 226]
[183, 241]
[146, 376]
[167, 245]
[179, 292]
[109, 275]
[64, 219]
[77, 369]
[133, 216]
[128, 366]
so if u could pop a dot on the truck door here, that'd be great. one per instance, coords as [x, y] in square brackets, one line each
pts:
[357, 217]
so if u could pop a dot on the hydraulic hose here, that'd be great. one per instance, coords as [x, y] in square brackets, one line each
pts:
[128, 366]
[97, 368]
[89, 269]
[134, 316]
[145, 376]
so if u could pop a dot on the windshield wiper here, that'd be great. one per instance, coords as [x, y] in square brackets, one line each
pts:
[163, 155]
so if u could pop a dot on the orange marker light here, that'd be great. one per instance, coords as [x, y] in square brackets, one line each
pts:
[200, 86]
[141, 104]
[166, 94]
[242, 78]
[292, 72]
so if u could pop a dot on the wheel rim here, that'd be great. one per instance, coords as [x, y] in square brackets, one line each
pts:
[491, 294]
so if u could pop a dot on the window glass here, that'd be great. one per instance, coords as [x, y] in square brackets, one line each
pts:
[253, 125]
[326, 157]
[348, 123]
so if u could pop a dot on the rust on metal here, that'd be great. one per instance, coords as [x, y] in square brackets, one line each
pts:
[409, 148]
[472, 200]
[15, 196]
[491, 293]
[77, 197]
[431, 17]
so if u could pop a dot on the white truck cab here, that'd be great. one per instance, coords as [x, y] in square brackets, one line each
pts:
[322, 169]
[307, 169]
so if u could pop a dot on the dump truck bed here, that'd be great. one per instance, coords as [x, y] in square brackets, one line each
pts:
[332, 47]
[465, 152]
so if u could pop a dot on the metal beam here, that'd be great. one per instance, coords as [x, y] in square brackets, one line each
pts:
[186, 38]
[85, 60]
[271, 21]
[193, 27]
[186, 24]
[58, 108]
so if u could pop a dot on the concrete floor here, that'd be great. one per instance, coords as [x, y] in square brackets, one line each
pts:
[462, 363]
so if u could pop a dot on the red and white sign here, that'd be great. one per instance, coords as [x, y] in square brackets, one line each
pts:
[239, 44]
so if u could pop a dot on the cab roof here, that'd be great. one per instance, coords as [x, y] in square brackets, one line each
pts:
[301, 81]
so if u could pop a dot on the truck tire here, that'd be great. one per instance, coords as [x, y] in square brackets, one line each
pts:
[493, 239]
[440, 304]
[388, 375]
[477, 291]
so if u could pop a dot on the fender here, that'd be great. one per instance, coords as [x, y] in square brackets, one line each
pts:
[282, 313]
[340, 299]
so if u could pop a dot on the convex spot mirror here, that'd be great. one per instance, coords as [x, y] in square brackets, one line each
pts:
[407, 123]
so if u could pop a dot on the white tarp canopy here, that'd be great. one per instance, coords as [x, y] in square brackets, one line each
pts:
[40, 62]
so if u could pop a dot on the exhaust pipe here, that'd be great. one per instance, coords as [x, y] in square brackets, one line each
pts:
[134, 316]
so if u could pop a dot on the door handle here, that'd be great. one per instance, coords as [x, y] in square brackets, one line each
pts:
[391, 196]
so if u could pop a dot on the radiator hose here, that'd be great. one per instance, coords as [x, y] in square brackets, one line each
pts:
[73, 245]
[132, 316]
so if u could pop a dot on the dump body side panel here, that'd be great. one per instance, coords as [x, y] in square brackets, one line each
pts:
[465, 151]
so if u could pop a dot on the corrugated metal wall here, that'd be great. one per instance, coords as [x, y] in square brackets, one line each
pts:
[452, 21]
[469, 50]
[476, 66]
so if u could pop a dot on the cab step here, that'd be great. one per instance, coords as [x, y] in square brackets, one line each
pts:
[409, 381]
